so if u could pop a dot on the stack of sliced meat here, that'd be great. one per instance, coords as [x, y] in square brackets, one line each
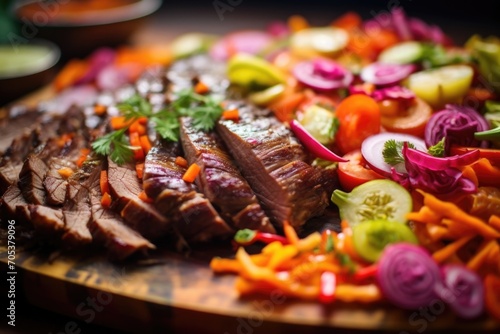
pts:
[254, 174]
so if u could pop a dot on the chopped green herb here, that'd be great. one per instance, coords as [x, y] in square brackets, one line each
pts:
[438, 149]
[205, 111]
[392, 151]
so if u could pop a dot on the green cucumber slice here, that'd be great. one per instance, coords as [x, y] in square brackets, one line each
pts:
[370, 237]
[402, 53]
[374, 200]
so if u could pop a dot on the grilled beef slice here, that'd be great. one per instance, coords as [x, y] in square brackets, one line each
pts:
[220, 180]
[194, 216]
[274, 164]
[108, 228]
[139, 215]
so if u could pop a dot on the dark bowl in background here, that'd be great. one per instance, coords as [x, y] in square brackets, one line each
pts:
[82, 34]
[16, 84]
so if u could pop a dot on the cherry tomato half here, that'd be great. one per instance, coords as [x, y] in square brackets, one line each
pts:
[355, 172]
[359, 118]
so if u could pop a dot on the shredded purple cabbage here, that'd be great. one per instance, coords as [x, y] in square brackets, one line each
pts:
[448, 181]
[457, 125]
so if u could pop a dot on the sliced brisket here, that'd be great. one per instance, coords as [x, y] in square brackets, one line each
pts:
[139, 215]
[194, 216]
[220, 180]
[108, 229]
[275, 165]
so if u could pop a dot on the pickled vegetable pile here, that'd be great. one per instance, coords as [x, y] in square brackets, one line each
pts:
[411, 123]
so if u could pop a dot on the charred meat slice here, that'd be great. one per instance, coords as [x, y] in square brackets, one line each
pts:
[194, 216]
[274, 164]
[14, 204]
[140, 216]
[31, 180]
[220, 180]
[108, 229]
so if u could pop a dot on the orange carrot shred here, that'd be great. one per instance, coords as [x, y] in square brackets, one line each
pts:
[83, 156]
[180, 161]
[65, 172]
[144, 197]
[139, 169]
[106, 200]
[145, 143]
[232, 114]
[136, 143]
[103, 182]
[100, 109]
[191, 173]
[201, 88]
[494, 221]
[477, 261]
[290, 232]
[119, 122]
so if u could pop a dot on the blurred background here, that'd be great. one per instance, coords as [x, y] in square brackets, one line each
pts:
[78, 27]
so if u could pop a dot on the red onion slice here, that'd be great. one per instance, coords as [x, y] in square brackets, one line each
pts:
[407, 275]
[462, 289]
[312, 144]
[248, 41]
[322, 75]
[386, 74]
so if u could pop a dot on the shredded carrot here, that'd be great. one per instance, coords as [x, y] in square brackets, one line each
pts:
[447, 251]
[144, 197]
[103, 182]
[436, 232]
[285, 106]
[65, 172]
[459, 217]
[469, 173]
[232, 114]
[290, 233]
[220, 265]
[494, 221]
[201, 88]
[72, 71]
[119, 122]
[180, 161]
[106, 200]
[348, 21]
[191, 173]
[139, 169]
[477, 261]
[486, 173]
[84, 152]
[100, 109]
[297, 23]
[145, 143]
[136, 143]
[138, 126]
[424, 215]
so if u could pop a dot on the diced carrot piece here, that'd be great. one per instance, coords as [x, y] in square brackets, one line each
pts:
[119, 122]
[139, 169]
[180, 161]
[232, 114]
[65, 172]
[191, 173]
[201, 88]
[103, 182]
[83, 156]
[290, 233]
[297, 23]
[136, 143]
[143, 197]
[106, 200]
[100, 109]
[145, 143]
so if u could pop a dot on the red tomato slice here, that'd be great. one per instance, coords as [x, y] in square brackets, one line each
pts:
[355, 172]
[359, 118]
[492, 295]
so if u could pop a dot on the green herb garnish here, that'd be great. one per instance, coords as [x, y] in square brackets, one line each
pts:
[205, 111]
[437, 150]
[392, 151]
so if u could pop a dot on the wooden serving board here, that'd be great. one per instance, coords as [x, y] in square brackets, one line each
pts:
[172, 292]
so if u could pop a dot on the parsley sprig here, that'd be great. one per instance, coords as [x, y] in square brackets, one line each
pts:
[392, 151]
[204, 109]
